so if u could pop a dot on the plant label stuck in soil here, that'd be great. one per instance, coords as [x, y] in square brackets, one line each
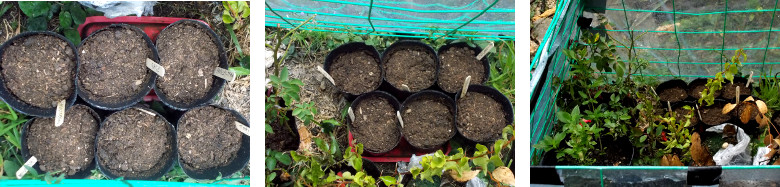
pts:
[465, 86]
[243, 128]
[154, 66]
[23, 170]
[324, 73]
[485, 51]
[351, 114]
[228, 75]
[59, 117]
[398, 113]
[147, 112]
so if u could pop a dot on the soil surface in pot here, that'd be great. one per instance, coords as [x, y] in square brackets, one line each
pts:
[376, 125]
[132, 143]
[427, 122]
[681, 113]
[695, 91]
[711, 115]
[730, 90]
[113, 64]
[674, 94]
[208, 138]
[356, 72]
[617, 152]
[189, 56]
[456, 64]
[39, 70]
[284, 138]
[480, 117]
[70, 147]
[413, 66]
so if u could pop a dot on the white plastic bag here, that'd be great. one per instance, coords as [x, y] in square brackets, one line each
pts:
[733, 154]
[761, 158]
[112, 9]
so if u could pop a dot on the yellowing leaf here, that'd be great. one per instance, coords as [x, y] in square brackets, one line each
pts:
[745, 116]
[761, 106]
[463, 177]
[504, 175]
[728, 108]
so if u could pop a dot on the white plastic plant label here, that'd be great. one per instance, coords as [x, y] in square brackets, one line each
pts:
[156, 68]
[23, 170]
[485, 51]
[241, 127]
[327, 76]
[228, 75]
[146, 111]
[59, 116]
[465, 87]
[401, 120]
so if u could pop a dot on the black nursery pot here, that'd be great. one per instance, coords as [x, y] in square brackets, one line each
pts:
[135, 98]
[739, 81]
[167, 164]
[448, 101]
[679, 106]
[403, 44]
[396, 105]
[216, 85]
[716, 107]
[23, 107]
[476, 49]
[347, 48]
[241, 160]
[506, 107]
[670, 85]
[700, 82]
[84, 173]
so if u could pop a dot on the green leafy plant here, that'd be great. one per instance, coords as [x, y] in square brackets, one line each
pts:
[70, 14]
[317, 169]
[730, 69]
[234, 13]
[582, 138]
[769, 91]
[484, 159]
[678, 140]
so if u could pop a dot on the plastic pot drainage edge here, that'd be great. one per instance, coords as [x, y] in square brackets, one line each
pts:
[350, 47]
[392, 89]
[216, 85]
[506, 107]
[448, 101]
[476, 50]
[135, 98]
[24, 107]
[84, 172]
[238, 163]
[396, 105]
[168, 164]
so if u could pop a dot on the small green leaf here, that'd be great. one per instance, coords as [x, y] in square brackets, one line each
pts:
[269, 129]
[73, 36]
[65, 20]
[283, 158]
[34, 8]
[239, 71]
[270, 162]
[79, 15]
[321, 144]
[37, 23]
[643, 138]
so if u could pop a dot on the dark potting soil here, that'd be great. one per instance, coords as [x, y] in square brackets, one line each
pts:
[189, 56]
[284, 137]
[39, 70]
[617, 152]
[730, 90]
[133, 143]
[672, 94]
[456, 64]
[113, 64]
[207, 138]
[376, 125]
[413, 66]
[681, 112]
[480, 117]
[69, 147]
[711, 115]
[695, 91]
[356, 72]
[427, 122]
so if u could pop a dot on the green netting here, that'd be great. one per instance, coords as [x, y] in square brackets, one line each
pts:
[478, 19]
[680, 39]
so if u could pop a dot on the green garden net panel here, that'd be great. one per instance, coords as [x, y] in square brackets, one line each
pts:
[477, 19]
[684, 39]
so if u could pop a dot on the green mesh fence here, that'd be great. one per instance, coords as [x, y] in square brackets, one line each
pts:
[680, 39]
[477, 19]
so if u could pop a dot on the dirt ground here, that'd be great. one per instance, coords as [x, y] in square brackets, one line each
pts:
[539, 26]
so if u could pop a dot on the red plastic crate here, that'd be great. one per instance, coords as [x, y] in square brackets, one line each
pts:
[150, 25]
[402, 152]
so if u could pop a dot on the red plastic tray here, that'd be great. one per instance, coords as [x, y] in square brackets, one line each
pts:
[402, 152]
[150, 25]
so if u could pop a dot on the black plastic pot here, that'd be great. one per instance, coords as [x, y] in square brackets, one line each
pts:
[740, 81]
[24, 107]
[696, 83]
[84, 173]
[238, 163]
[396, 106]
[137, 97]
[694, 119]
[167, 165]
[476, 50]
[506, 107]
[718, 104]
[350, 47]
[216, 85]
[670, 84]
[399, 45]
[447, 101]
